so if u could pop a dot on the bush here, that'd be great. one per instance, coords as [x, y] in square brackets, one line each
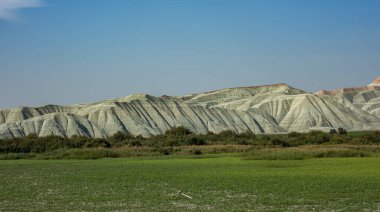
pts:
[47, 143]
[120, 136]
[136, 143]
[279, 142]
[78, 141]
[196, 152]
[227, 134]
[337, 139]
[165, 151]
[180, 136]
[171, 142]
[342, 131]
[97, 143]
[317, 137]
[294, 135]
[196, 141]
[247, 135]
[242, 142]
[371, 138]
[178, 131]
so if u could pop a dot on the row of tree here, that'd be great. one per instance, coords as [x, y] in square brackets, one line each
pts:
[180, 136]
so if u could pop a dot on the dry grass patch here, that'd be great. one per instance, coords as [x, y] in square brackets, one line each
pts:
[313, 151]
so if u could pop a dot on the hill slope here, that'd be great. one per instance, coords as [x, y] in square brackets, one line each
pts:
[277, 108]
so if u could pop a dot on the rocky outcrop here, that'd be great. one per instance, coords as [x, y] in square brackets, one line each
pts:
[376, 82]
[277, 108]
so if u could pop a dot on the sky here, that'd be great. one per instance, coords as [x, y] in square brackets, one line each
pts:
[81, 51]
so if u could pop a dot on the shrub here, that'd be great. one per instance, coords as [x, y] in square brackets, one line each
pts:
[136, 143]
[31, 136]
[316, 137]
[78, 141]
[337, 139]
[171, 142]
[371, 137]
[196, 141]
[23, 145]
[97, 143]
[342, 131]
[209, 133]
[315, 132]
[293, 135]
[196, 152]
[247, 135]
[242, 142]
[165, 151]
[227, 134]
[48, 143]
[181, 136]
[120, 136]
[279, 142]
[178, 131]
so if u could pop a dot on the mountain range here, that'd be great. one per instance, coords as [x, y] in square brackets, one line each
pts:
[277, 108]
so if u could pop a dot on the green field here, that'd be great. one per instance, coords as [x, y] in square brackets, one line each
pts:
[221, 183]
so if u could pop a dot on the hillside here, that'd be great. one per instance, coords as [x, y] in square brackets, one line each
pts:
[277, 108]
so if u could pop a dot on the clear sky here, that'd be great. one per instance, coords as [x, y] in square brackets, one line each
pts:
[78, 51]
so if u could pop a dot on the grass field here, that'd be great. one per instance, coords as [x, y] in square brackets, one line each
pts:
[221, 183]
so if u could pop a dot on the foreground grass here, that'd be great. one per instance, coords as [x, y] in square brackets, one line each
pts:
[219, 184]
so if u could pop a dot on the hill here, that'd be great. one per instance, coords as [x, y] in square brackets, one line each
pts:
[277, 108]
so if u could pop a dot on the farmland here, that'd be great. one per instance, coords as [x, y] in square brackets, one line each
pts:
[221, 182]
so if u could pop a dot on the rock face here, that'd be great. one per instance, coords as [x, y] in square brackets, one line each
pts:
[376, 82]
[277, 108]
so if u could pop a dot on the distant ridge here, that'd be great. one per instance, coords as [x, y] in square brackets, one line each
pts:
[347, 90]
[376, 82]
[277, 108]
[375, 85]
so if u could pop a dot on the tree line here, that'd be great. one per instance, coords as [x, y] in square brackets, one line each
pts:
[180, 136]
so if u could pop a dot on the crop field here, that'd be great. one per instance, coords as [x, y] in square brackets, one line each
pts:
[177, 183]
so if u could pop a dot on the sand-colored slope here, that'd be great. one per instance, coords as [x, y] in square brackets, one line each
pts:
[151, 115]
[307, 111]
[236, 94]
[295, 110]
[19, 114]
[145, 115]
[277, 108]
[367, 98]
[61, 124]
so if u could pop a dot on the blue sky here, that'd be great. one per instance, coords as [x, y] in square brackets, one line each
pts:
[77, 51]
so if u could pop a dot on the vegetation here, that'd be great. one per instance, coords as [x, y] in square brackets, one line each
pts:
[313, 151]
[178, 141]
[216, 183]
[180, 171]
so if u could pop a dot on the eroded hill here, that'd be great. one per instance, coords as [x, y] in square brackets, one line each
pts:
[277, 108]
